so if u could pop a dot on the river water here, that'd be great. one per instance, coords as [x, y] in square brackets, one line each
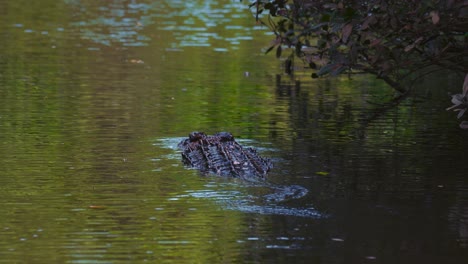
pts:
[95, 96]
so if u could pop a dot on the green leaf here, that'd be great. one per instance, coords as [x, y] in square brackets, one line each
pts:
[278, 51]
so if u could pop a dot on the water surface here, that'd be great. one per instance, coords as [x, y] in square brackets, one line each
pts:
[95, 95]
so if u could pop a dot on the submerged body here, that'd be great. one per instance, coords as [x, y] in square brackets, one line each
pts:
[220, 154]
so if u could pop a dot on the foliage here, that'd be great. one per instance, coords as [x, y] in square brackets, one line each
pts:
[390, 39]
[460, 103]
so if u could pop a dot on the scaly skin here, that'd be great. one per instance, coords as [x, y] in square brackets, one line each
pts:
[220, 154]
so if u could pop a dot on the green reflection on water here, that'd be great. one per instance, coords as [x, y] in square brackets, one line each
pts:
[78, 112]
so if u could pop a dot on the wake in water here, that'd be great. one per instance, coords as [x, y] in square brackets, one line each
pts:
[239, 201]
[270, 203]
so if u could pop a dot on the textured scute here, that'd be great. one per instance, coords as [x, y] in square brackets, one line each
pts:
[220, 154]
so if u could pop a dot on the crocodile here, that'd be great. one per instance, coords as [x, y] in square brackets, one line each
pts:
[220, 154]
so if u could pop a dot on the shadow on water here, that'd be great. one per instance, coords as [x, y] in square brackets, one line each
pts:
[405, 162]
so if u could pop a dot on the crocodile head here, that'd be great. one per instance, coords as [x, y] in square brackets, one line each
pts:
[224, 136]
[195, 136]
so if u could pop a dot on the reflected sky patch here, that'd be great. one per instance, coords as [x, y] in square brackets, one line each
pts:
[184, 23]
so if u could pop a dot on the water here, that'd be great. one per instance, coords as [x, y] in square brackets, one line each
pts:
[95, 96]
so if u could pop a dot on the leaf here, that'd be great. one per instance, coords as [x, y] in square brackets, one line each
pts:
[435, 17]
[457, 99]
[325, 69]
[450, 108]
[278, 51]
[288, 66]
[464, 125]
[375, 42]
[411, 46]
[465, 86]
[330, 6]
[370, 20]
[460, 114]
[346, 31]
[269, 49]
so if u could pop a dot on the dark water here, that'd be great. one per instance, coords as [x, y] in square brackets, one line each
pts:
[95, 95]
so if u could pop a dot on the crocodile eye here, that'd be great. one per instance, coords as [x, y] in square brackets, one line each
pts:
[195, 136]
[225, 136]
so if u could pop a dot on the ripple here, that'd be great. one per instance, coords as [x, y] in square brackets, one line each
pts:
[243, 201]
[279, 210]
